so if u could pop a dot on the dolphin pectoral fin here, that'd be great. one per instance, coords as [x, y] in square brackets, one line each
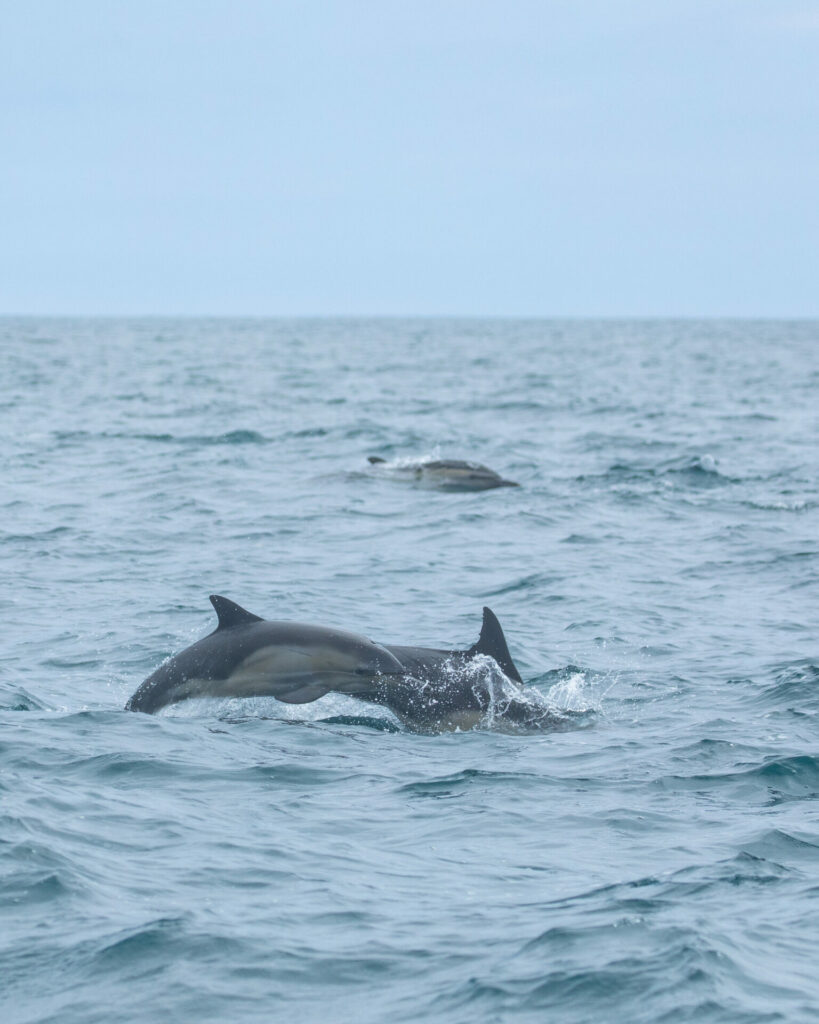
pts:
[363, 684]
[305, 695]
[493, 643]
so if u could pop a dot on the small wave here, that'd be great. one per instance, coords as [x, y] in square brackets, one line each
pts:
[363, 721]
[694, 471]
[26, 890]
[231, 437]
[34, 872]
[152, 941]
[129, 771]
[651, 893]
[749, 417]
[796, 685]
[777, 780]
[625, 967]
[297, 775]
[781, 505]
[535, 581]
[699, 471]
[19, 699]
[306, 432]
[450, 786]
[40, 535]
[801, 766]
[778, 845]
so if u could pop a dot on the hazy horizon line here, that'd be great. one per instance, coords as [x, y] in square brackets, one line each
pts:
[738, 317]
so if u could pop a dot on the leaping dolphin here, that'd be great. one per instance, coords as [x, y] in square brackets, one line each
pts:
[247, 656]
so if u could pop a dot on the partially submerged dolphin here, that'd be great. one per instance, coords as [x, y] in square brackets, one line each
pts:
[246, 656]
[427, 688]
[447, 474]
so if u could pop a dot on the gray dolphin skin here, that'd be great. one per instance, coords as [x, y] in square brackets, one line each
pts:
[246, 656]
[428, 689]
[447, 474]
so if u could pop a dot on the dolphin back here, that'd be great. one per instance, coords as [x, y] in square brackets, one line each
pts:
[247, 656]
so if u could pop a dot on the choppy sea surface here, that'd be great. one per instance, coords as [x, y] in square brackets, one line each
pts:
[657, 577]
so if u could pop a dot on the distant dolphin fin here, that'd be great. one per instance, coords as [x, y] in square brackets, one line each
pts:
[374, 459]
[231, 614]
[493, 642]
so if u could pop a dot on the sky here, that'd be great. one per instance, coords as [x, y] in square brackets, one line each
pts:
[410, 157]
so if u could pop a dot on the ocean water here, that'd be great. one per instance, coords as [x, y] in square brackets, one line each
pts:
[657, 577]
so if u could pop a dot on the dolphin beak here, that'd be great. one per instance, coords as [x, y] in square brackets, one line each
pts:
[149, 698]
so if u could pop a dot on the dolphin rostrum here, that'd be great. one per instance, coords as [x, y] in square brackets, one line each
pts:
[429, 689]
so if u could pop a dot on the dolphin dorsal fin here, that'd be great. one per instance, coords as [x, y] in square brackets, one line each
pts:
[231, 614]
[493, 642]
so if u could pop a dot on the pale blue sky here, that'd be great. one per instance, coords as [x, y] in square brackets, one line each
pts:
[649, 157]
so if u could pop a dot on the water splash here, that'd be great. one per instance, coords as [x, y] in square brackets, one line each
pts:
[498, 703]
